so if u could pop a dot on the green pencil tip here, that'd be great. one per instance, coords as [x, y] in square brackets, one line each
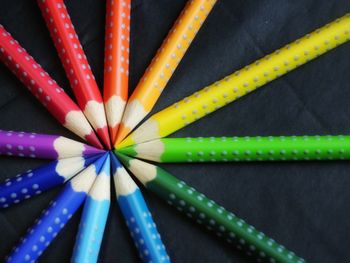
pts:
[129, 150]
[123, 158]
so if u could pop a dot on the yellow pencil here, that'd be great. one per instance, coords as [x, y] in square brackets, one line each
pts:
[164, 64]
[242, 82]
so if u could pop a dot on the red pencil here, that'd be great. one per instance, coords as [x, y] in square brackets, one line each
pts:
[116, 64]
[44, 88]
[76, 65]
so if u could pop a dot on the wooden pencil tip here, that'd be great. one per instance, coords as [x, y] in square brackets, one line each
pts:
[129, 150]
[93, 140]
[104, 136]
[124, 159]
[122, 133]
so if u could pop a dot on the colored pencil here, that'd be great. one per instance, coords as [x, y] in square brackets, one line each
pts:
[164, 64]
[139, 220]
[76, 65]
[207, 213]
[33, 145]
[44, 88]
[116, 63]
[94, 218]
[55, 217]
[241, 82]
[238, 149]
[34, 182]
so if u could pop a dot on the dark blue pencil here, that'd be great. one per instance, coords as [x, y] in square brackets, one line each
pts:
[55, 217]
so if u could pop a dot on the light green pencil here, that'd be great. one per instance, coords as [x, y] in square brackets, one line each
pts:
[206, 212]
[236, 149]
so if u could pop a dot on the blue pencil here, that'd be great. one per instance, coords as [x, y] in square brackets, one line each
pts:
[55, 217]
[139, 220]
[94, 218]
[34, 182]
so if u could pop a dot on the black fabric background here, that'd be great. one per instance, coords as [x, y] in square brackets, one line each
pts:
[304, 206]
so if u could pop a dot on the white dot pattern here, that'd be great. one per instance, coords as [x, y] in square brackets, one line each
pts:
[251, 77]
[46, 228]
[28, 184]
[31, 74]
[70, 52]
[142, 228]
[272, 148]
[216, 218]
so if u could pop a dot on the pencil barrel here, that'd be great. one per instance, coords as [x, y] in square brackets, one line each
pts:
[241, 82]
[217, 219]
[242, 149]
[47, 226]
[142, 228]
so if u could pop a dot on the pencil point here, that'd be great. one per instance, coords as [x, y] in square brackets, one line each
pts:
[104, 136]
[122, 133]
[113, 133]
[124, 159]
[93, 140]
[129, 150]
[124, 143]
[90, 150]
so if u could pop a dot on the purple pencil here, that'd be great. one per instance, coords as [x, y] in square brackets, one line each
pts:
[42, 146]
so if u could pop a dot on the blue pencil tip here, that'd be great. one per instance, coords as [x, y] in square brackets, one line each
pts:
[115, 162]
[106, 165]
[100, 161]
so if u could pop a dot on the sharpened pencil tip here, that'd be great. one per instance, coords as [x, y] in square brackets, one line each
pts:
[123, 158]
[122, 133]
[104, 136]
[93, 140]
[129, 150]
[126, 142]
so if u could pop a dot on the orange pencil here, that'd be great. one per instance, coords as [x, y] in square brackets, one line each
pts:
[164, 64]
[116, 64]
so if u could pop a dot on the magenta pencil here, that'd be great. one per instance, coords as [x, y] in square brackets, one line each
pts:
[33, 145]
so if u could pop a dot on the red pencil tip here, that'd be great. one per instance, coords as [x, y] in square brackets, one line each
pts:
[104, 136]
[93, 140]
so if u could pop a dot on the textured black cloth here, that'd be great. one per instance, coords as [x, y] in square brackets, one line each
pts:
[302, 205]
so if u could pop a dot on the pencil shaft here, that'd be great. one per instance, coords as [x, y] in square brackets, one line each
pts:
[37, 181]
[94, 218]
[44, 88]
[207, 213]
[76, 65]
[142, 227]
[55, 217]
[116, 64]
[43, 146]
[137, 216]
[164, 63]
[236, 149]
[242, 82]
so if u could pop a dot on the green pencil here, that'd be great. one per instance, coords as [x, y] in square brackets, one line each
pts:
[206, 212]
[236, 149]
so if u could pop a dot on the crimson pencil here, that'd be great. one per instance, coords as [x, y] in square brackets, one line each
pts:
[76, 65]
[44, 88]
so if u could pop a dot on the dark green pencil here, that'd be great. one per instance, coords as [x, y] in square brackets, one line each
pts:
[206, 212]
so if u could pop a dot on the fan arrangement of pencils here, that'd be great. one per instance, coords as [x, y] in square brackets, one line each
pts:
[114, 147]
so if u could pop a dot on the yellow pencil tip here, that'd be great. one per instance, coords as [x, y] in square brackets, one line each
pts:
[124, 143]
